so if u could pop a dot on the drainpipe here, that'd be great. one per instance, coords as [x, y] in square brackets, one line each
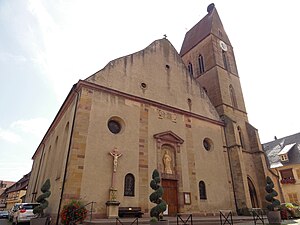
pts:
[279, 185]
[69, 150]
[34, 189]
[234, 195]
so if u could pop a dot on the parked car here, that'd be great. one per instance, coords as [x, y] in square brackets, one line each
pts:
[3, 214]
[12, 211]
[24, 213]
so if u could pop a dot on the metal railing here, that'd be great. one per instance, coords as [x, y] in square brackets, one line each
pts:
[136, 220]
[258, 214]
[74, 220]
[184, 222]
[227, 216]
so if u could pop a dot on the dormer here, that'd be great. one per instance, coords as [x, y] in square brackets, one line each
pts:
[283, 154]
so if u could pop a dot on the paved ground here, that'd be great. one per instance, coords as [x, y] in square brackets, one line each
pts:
[240, 220]
[173, 221]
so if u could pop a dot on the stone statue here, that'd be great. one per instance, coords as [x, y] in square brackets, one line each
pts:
[167, 159]
[115, 154]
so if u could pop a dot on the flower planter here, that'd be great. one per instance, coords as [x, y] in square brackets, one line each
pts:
[274, 217]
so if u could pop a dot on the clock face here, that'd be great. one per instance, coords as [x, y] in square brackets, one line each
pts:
[223, 46]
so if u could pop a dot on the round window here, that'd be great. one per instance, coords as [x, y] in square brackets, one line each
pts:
[114, 126]
[208, 144]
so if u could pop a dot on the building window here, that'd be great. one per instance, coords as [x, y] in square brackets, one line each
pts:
[208, 144]
[241, 137]
[220, 33]
[287, 176]
[190, 68]
[202, 190]
[232, 96]
[284, 157]
[201, 64]
[225, 60]
[293, 198]
[129, 185]
[115, 125]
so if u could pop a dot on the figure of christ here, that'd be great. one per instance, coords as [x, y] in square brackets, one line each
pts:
[115, 154]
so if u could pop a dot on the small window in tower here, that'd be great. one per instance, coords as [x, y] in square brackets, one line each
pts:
[225, 60]
[241, 137]
[220, 33]
[190, 68]
[232, 96]
[201, 64]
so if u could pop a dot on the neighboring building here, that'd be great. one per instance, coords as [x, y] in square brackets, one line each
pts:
[183, 114]
[4, 185]
[16, 193]
[284, 159]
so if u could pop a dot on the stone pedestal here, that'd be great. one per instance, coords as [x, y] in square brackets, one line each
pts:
[112, 209]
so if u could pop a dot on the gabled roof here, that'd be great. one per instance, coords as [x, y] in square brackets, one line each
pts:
[289, 145]
[210, 24]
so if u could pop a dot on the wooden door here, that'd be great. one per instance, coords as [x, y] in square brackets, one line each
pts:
[170, 196]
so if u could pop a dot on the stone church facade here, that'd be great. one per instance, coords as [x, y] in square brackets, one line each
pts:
[181, 113]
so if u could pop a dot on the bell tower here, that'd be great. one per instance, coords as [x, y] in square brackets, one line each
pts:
[209, 57]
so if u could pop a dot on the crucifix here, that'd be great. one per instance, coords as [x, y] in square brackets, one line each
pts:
[115, 154]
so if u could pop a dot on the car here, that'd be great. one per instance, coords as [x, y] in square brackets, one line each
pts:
[3, 214]
[24, 213]
[12, 211]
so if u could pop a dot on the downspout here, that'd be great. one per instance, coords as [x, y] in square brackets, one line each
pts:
[280, 189]
[38, 173]
[69, 150]
[235, 202]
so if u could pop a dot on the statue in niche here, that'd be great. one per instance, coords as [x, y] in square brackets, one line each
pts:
[167, 160]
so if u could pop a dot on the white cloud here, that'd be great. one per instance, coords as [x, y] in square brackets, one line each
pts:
[36, 126]
[9, 136]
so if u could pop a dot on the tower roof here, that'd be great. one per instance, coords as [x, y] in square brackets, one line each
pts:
[210, 24]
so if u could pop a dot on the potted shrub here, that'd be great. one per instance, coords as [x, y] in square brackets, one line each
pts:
[73, 212]
[39, 210]
[274, 213]
[156, 212]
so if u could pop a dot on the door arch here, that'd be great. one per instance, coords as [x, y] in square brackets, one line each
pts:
[252, 192]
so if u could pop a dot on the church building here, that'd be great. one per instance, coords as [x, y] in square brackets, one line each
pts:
[180, 113]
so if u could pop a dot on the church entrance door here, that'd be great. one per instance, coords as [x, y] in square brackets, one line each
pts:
[170, 196]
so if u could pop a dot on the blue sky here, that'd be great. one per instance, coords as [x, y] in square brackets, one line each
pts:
[46, 46]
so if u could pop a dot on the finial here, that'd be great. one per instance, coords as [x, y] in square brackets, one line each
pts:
[165, 36]
[210, 7]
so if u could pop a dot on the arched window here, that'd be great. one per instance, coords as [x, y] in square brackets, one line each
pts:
[190, 68]
[225, 60]
[232, 96]
[241, 137]
[129, 185]
[202, 190]
[201, 64]
[252, 193]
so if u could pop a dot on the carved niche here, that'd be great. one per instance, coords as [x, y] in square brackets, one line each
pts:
[168, 146]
